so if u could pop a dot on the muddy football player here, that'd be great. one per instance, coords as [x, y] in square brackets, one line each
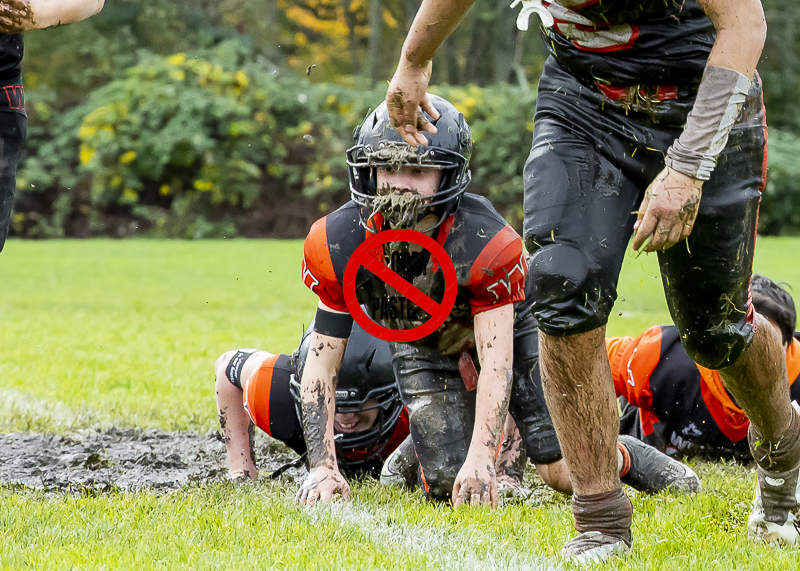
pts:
[652, 108]
[16, 17]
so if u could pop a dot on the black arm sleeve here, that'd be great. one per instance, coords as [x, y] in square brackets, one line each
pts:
[333, 324]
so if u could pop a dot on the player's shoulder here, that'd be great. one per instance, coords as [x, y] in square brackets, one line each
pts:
[474, 210]
[479, 232]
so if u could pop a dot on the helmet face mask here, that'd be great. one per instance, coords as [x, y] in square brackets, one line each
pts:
[380, 146]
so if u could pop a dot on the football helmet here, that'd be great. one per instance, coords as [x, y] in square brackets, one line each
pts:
[379, 145]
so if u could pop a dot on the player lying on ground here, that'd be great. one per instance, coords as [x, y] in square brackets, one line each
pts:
[678, 405]
[257, 388]
[395, 186]
[17, 16]
[642, 107]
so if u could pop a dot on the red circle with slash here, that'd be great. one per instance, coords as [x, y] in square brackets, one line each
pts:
[363, 256]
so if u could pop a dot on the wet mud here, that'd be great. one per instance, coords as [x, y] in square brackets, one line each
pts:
[127, 460]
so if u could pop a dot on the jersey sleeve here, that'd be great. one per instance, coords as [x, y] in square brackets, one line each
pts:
[497, 277]
[633, 362]
[318, 273]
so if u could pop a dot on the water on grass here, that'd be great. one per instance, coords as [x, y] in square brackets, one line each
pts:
[126, 460]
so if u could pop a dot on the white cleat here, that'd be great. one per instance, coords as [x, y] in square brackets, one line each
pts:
[593, 547]
[400, 468]
[772, 519]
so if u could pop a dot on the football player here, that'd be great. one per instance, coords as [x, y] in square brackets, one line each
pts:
[643, 107]
[257, 388]
[395, 185]
[17, 16]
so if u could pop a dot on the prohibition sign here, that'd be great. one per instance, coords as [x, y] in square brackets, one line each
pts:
[363, 256]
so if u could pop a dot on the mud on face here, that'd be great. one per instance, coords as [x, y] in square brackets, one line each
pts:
[125, 460]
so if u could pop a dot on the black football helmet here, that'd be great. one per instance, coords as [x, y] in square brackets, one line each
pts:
[365, 375]
[379, 145]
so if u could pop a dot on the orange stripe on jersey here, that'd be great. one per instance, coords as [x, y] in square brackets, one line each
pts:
[730, 419]
[632, 363]
[793, 361]
[318, 273]
[257, 391]
[497, 277]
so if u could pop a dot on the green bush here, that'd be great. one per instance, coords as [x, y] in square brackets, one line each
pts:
[780, 202]
[212, 143]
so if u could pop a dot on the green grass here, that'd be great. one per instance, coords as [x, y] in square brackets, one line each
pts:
[100, 333]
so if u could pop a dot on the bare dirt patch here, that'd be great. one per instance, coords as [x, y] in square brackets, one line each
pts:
[125, 460]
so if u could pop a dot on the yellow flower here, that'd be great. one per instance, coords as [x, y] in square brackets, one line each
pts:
[127, 157]
[241, 78]
[116, 182]
[470, 102]
[203, 185]
[86, 131]
[87, 154]
[327, 181]
[331, 99]
[177, 59]
[129, 195]
[164, 190]
[300, 39]
[178, 74]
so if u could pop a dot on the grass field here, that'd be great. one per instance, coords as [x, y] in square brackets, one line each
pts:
[102, 333]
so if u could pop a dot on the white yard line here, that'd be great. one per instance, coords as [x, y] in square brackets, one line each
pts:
[445, 550]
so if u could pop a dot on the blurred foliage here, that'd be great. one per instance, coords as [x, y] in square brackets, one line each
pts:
[202, 118]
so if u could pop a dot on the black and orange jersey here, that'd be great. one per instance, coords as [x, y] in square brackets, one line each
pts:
[12, 96]
[486, 252]
[630, 41]
[654, 373]
[272, 406]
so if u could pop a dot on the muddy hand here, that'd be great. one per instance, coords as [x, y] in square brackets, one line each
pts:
[406, 98]
[475, 484]
[15, 16]
[321, 485]
[668, 211]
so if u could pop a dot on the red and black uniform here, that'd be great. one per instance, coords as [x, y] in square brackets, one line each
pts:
[490, 268]
[271, 401]
[675, 403]
[13, 124]
[613, 97]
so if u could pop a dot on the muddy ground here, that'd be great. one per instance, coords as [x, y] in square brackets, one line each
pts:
[126, 460]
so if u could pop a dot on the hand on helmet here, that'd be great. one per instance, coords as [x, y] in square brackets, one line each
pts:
[15, 16]
[475, 483]
[322, 483]
[407, 98]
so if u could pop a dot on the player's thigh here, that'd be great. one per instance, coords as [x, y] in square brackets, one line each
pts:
[13, 128]
[578, 220]
[706, 279]
[441, 414]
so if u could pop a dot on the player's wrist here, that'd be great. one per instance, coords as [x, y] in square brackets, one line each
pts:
[719, 100]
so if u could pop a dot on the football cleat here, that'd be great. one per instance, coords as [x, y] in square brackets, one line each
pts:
[400, 468]
[652, 471]
[593, 547]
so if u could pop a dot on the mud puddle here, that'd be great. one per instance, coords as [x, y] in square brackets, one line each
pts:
[126, 460]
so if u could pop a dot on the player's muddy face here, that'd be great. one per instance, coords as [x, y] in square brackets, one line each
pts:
[407, 179]
[350, 422]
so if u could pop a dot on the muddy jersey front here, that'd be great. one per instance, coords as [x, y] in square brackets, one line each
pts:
[659, 42]
[485, 251]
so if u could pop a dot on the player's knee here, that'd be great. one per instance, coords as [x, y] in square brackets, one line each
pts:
[556, 476]
[439, 485]
[567, 296]
[717, 347]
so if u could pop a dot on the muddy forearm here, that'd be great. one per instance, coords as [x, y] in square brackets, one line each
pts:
[22, 15]
[494, 336]
[435, 20]
[318, 387]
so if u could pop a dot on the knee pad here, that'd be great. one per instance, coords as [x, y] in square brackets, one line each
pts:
[568, 297]
[437, 483]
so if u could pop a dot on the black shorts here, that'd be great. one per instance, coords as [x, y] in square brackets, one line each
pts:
[13, 129]
[442, 411]
[589, 166]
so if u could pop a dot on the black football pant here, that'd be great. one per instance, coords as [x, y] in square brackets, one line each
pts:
[13, 128]
[587, 172]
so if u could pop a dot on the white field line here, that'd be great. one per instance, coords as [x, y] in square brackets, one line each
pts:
[445, 550]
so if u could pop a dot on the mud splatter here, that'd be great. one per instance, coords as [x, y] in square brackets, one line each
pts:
[126, 460]
[15, 16]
